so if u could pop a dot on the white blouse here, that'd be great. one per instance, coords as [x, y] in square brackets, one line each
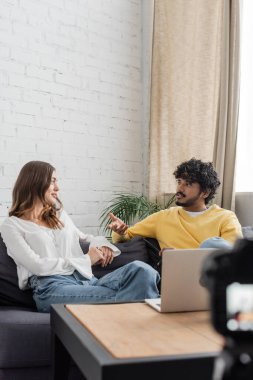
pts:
[43, 251]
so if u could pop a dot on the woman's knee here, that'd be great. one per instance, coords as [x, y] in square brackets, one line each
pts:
[145, 270]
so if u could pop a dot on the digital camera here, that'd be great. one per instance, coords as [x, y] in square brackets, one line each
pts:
[229, 277]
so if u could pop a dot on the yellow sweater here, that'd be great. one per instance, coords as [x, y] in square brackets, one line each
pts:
[175, 228]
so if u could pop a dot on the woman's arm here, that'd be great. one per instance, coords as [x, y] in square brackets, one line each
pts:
[95, 241]
[23, 255]
[66, 220]
[101, 241]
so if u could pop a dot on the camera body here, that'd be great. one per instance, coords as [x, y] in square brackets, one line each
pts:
[229, 277]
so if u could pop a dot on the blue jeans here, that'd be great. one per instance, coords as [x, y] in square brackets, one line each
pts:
[132, 282]
[215, 242]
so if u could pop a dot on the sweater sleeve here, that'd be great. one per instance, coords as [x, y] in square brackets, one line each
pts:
[231, 228]
[146, 228]
[23, 255]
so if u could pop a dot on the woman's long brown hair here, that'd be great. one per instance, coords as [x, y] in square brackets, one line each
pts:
[32, 183]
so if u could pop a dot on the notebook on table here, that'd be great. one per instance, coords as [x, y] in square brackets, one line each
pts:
[180, 287]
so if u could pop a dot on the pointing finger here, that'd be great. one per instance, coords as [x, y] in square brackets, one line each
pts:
[112, 216]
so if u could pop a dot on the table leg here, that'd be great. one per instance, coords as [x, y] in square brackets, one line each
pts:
[61, 360]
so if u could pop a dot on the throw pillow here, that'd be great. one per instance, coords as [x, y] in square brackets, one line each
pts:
[10, 294]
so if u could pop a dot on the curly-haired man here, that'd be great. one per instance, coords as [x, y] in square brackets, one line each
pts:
[192, 224]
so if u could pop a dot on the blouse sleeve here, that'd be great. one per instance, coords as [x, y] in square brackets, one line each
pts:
[23, 255]
[66, 219]
[95, 241]
[101, 241]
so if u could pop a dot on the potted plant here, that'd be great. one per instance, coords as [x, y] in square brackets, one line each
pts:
[131, 208]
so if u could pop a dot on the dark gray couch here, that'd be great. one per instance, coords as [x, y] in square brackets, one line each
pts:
[25, 342]
[25, 337]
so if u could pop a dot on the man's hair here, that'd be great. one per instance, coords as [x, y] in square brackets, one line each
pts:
[201, 172]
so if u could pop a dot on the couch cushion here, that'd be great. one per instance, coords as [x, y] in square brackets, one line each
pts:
[247, 232]
[10, 294]
[25, 338]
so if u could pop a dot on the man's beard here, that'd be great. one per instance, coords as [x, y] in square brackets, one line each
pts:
[190, 202]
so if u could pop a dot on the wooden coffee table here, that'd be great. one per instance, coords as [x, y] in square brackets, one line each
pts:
[132, 341]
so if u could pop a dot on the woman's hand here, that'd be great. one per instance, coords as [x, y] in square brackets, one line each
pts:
[117, 225]
[96, 256]
[103, 256]
[108, 256]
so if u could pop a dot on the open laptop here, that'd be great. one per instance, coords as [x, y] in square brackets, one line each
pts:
[180, 287]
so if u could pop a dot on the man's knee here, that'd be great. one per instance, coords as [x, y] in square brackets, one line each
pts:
[216, 242]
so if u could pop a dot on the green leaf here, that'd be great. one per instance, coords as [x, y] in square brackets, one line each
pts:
[130, 208]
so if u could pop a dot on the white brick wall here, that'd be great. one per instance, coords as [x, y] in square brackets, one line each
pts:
[71, 94]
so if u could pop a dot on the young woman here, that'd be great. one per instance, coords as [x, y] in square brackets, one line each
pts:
[44, 243]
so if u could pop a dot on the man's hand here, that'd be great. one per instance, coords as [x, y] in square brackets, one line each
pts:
[117, 225]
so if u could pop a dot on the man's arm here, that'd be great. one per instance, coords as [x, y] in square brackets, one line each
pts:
[231, 228]
[145, 228]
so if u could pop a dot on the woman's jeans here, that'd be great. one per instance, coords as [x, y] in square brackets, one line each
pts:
[132, 282]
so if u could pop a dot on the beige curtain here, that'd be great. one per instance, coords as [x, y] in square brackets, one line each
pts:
[224, 155]
[186, 89]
